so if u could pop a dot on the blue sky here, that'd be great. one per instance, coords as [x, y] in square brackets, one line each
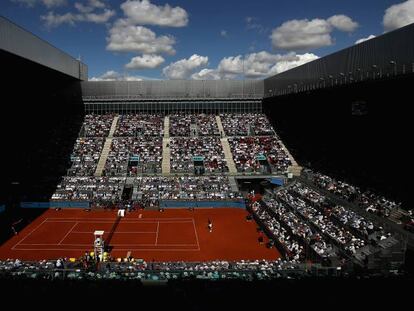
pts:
[179, 39]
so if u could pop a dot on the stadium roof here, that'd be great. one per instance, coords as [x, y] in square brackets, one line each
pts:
[18, 41]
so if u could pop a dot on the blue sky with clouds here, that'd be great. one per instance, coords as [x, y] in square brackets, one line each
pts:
[177, 39]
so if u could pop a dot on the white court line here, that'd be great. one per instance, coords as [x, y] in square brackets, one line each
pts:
[113, 219]
[116, 232]
[155, 245]
[158, 250]
[65, 244]
[115, 250]
[29, 234]
[156, 237]
[73, 227]
[195, 230]
[124, 222]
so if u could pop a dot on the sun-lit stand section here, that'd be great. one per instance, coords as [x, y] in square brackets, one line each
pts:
[226, 148]
[295, 169]
[106, 148]
[166, 166]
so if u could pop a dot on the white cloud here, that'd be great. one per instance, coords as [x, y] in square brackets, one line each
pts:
[97, 4]
[223, 33]
[103, 17]
[206, 74]
[124, 37]
[302, 34]
[112, 75]
[29, 3]
[365, 39]
[143, 12]
[343, 23]
[145, 62]
[262, 64]
[299, 60]
[252, 24]
[47, 3]
[128, 35]
[86, 13]
[183, 68]
[232, 65]
[308, 34]
[399, 15]
[55, 20]
[131, 78]
[83, 8]
[258, 64]
[53, 3]
[254, 65]
[91, 6]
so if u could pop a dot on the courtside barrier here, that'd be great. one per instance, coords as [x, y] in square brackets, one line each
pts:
[202, 204]
[55, 204]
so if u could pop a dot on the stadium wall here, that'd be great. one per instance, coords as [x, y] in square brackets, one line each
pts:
[172, 89]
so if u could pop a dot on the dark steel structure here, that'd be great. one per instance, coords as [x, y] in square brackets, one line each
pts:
[20, 42]
[42, 113]
[388, 55]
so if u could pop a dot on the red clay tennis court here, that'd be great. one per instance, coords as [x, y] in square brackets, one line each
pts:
[172, 235]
